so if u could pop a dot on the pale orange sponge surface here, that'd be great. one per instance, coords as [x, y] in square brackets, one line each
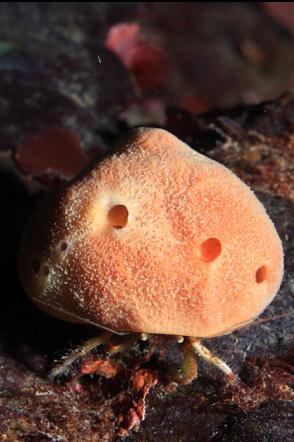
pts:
[156, 238]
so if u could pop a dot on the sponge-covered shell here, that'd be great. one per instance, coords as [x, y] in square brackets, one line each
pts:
[156, 238]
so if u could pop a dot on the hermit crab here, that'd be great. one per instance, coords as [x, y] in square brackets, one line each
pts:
[153, 239]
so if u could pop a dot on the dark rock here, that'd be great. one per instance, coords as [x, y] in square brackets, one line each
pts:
[269, 423]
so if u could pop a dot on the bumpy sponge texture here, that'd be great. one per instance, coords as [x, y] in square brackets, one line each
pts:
[156, 238]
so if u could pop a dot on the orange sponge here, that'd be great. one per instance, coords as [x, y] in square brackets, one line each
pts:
[156, 238]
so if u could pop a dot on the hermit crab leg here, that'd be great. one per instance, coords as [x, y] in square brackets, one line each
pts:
[188, 369]
[79, 352]
[208, 356]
